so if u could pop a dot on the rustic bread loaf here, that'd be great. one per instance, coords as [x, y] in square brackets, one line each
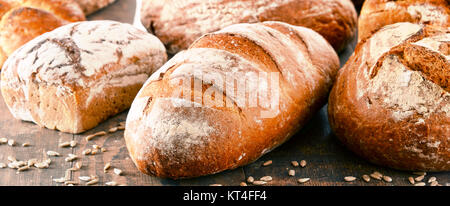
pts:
[179, 23]
[91, 6]
[377, 13]
[78, 75]
[23, 20]
[391, 101]
[187, 122]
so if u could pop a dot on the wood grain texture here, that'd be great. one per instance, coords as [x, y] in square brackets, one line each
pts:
[328, 162]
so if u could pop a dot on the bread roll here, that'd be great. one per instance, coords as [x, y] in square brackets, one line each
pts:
[78, 75]
[91, 6]
[391, 101]
[23, 20]
[187, 122]
[377, 13]
[179, 23]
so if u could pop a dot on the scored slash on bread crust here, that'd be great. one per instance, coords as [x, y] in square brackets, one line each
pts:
[78, 75]
[391, 102]
[179, 23]
[169, 136]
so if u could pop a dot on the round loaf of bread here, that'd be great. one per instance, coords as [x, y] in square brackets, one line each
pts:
[179, 23]
[78, 75]
[391, 101]
[377, 13]
[233, 96]
[91, 6]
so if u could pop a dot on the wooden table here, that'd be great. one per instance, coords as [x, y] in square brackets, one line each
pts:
[328, 162]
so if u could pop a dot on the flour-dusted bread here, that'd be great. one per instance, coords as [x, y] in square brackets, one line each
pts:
[23, 20]
[91, 6]
[80, 74]
[391, 101]
[377, 13]
[199, 114]
[179, 23]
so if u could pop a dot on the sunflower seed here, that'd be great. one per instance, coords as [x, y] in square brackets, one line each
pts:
[2, 165]
[23, 168]
[266, 178]
[291, 173]
[92, 182]
[419, 178]
[411, 180]
[90, 137]
[94, 152]
[3, 140]
[11, 142]
[95, 146]
[112, 129]
[420, 173]
[215, 185]
[117, 171]
[243, 184]
[78, 165]
[48, 161]
[112, 183]
[366, 178]
[376, 175]
[107, 166]
[59, 180]
[258, 182]
[294, 163]
[434, 183]
[86, 152]
[267, 163]
[73, 143]
[85, 178]
[303, 163]
[64, 144]
[41, 165]
[26, 144]
[12, 159]
[71, 158]
[53, 153]
[70, 183]
[349, 178]
[103, 149]
[420, 184]
[431, 179]
[121, 127]
[303, 180]
[250, 179]
[31, 162]
[122, 123]
[387, 179]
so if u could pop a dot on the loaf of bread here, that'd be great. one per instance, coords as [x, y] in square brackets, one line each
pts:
[91, 6]
[23, 20]
[377, 13]
[391, 101]
[179, 23]
[233, 96]
[78, 75]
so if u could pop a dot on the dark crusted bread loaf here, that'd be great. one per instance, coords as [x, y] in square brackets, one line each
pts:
[187, 122]
[78, 75]
[391, 101]
[377, 13]
[179, 23]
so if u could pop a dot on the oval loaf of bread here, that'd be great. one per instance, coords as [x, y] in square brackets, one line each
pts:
[209, 128]
[179, 23]
[78, 75]
[391, 101]
[376, 14]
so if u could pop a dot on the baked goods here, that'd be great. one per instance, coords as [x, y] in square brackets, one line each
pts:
[179, 23]
[391, 101]
[23, 20]
[91, 6]
[187, 122]
[377, 13]
[78, 75]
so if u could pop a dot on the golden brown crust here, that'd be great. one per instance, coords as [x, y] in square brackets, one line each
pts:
[391, 103]
[185, 141]
[377, 13]
[179, 23]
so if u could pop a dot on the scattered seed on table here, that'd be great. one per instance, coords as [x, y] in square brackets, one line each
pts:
[250, 179]
[376, 175]
[303, 163]
[26, 144]
[295, 163]
[215, 185]
[266, 178]
[94, 151]
[92, 182]
[349, 178]
[12, 159]
[420, 184]
[387, 179]
[291, 173]
[103, 149]
[31, 162]
[434, 183]
[3, 140]
[117, 171]
[85, 178]
[259, 182]
[71, 158]
[2, 165]
[121, 127]
[267, 163]
[112, 129]
[53, 153]
[112, 183]
[11, 142]
[303, 180]
[64, 144]
[23, 168]
[90, 137]
[411, 180]
[78, 165]
[59, 180]
[95, 146]
[431, 179]
[41, 165]
[420, 173]
[107, 166]
[70, 183]
[419, 178]
[243, 184]
[366, 178]
[73, 143]
[86, 152]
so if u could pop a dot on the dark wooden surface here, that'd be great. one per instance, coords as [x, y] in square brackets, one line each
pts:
[328, 162]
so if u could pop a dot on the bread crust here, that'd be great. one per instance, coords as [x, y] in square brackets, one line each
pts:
[93, 69]
[179, 23]
[91, 6]
[174, 137]
[377, 13]
[391, 101]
